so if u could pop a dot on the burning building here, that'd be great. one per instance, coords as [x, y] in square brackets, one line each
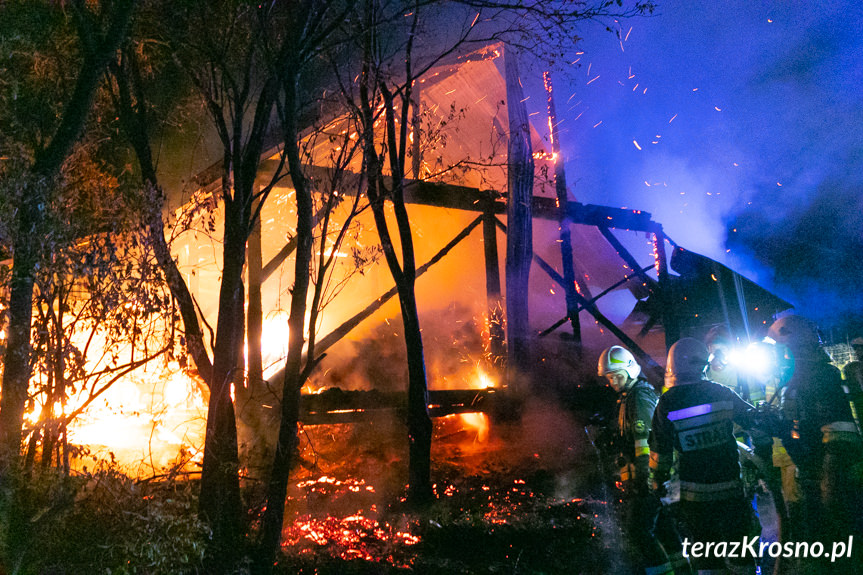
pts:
[625, 285]
[624, 263]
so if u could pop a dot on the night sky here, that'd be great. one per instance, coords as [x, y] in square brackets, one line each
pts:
[737, 124]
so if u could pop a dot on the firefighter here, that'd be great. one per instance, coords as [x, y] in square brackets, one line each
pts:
[695, 419]
[652, 535]
[820, 435]
[721, 368]
[853, 370]
[737, 369]
[852, 373]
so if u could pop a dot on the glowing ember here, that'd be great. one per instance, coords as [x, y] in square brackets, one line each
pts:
[325, 484]
[351, 537]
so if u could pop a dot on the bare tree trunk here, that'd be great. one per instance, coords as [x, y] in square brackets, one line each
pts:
[220, 501]
[404, 272]
[220, 484]
[519, 241]
[134, 121]
[194, 335]
[255, 319]
[295, 373]
[419, 422]
[99, 49]
[16, 363]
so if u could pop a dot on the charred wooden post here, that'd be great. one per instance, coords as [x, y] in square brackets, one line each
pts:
[519, 241]
[669, 317]
[250, 389]
[416, 122]
[496, 333]
[564, 220]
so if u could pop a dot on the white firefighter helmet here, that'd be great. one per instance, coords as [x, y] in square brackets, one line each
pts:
[719, 336]
[687, 359]
[796, 332]
[617, 358]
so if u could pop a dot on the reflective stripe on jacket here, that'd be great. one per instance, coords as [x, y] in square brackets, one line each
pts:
[696, 419]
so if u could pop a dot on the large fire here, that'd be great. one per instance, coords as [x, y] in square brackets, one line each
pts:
[154, 417]
[146, 422]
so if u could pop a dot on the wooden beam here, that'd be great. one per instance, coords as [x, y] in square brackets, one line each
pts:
[627, 257]
[652, 368]
[669, 317]
[592, 300]
[455, 197]
[278, 259]
[339, 406]
[338, 333]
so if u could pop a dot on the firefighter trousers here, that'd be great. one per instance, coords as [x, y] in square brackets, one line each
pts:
[713, 522]
[651, 535]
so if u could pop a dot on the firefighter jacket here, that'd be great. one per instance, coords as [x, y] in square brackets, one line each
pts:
[816, 413]
[853, 374]
[730, 377]
[696, 420]
[635, 413]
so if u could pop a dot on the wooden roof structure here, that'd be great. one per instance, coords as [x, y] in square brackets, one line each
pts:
[474, 86]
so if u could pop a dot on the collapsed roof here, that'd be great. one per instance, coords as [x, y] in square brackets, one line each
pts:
[462, 173]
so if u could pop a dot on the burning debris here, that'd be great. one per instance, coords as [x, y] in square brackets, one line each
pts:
[351, 537]
[501, 502]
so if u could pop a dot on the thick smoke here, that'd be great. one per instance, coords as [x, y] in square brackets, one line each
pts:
[735, 124]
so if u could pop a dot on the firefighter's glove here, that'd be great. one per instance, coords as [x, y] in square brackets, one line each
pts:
[768, 420]
[658, 480]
